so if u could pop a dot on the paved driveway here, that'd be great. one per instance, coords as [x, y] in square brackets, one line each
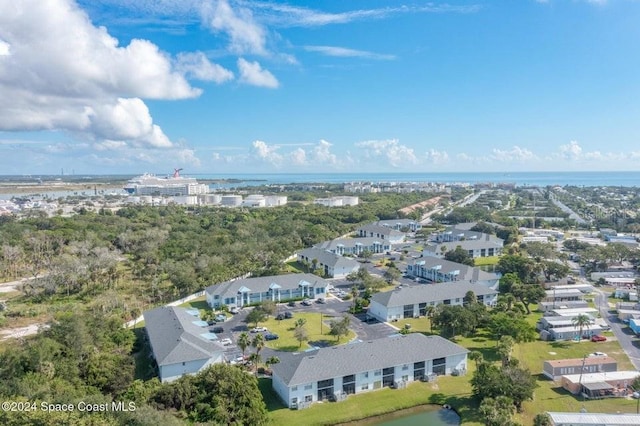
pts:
[628, 341]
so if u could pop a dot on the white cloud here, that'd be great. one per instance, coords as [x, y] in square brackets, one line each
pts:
[514, 154]
[344, 52]
[571, 151]
[245, 35]
[253, 74]
[298, 157]
[63, 73]
[267, 153]
[5, 48]
[395, 153]
[437, 157]
[196, 65]
[322, 155]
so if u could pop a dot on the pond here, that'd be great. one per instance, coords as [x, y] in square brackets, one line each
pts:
[432, 415]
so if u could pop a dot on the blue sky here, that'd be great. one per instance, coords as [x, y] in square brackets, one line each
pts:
[227, 86]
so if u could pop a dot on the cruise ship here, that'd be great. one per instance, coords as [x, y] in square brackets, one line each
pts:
[173, 185]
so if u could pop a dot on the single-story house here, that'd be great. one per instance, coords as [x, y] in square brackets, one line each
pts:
[584, 288]
[572, 304]
[546, 323]
[335, 372]
[572, 312]
[332, 265]
[441, 270]
[596, 385]
[563, 295]
[627, 314]
[411, 302]
[614, 277]
[593, 419]
[556, 368]
[373, 230]
[180, 342]
[626, 293]
[278, 288]
[571, 332]
[401, 224]
[355, 246]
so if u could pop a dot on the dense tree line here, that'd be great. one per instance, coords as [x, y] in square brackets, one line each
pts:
[155, 254]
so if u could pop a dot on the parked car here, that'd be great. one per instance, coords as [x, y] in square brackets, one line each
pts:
[288, 315]
[258, 329]
[307, 302]
[217, 330]
[234, 310]
[598, 338]
[221, 318]
[291, 303]
[270, 336]
[226, 342]
[320, 300]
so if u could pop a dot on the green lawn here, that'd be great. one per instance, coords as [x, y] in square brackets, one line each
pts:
[550, 395]
[318, 334]
[199, 303]
[454, 391]
[490, 260]
[420, 325]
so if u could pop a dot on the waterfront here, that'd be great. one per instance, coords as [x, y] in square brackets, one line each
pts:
[432, 415]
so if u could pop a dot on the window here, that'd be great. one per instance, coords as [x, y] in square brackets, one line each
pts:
[307, 387]
[377, 373]
[405, 378]
[294, 401]
[365, 375]
[184, 363]
[405, 367]
[308, 398]
[293, 389]
[364, 387]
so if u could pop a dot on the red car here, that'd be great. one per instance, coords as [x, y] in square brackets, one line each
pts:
[598, 338]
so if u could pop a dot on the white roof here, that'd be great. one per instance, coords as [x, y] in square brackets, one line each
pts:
[574, 311]
[594, 419]
[602, 377]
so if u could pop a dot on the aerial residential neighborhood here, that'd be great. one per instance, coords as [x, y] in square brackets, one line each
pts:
[392, 305]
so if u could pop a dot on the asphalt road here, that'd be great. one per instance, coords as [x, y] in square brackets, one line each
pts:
[627, 340]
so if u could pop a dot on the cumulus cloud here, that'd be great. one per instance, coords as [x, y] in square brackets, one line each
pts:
[514, 154]
[4, 48]
[197, 66]
[322, 154]
[298, 157]
[245, 35]
[344, 52]
[571, 151]
[252, 73]
[395, 153]
[437, 157]
[265, 152]
[60, 72]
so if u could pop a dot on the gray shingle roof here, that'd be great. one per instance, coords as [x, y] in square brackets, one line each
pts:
[380, 229]
[430, 293]
[174, 338]
[261, 284]
[357, 358]
[467, 244]
[328, 258]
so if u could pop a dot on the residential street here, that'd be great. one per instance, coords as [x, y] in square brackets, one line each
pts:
[628, 341]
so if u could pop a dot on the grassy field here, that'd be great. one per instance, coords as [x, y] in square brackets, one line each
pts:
[490, 260]
[317, 330]
[454, 391]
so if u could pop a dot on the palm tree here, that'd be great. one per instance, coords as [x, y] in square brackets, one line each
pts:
[243, 342]
[505, 348]
[258, 343]
[477, 357]
[581, 321]
[272, 360]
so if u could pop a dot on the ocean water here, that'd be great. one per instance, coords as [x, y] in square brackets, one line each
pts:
[521, 179]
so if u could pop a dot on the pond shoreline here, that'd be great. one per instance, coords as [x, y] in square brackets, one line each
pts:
[394, 415]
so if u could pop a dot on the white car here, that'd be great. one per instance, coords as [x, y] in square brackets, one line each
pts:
[226, 342]
[258, 329]
[597, 354]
